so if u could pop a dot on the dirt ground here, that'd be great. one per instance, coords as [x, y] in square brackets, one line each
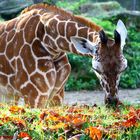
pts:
[97, 97]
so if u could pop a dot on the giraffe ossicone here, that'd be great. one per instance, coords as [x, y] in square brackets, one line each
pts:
[34, 65]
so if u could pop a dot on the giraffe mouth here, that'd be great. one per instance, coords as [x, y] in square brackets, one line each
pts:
[111, 100]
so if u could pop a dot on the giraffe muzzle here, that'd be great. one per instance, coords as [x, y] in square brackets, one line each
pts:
[111, 100]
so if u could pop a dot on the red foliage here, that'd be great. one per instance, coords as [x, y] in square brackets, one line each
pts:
[24, 135]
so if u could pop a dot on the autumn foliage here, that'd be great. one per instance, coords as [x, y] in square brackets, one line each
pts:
[60, 123]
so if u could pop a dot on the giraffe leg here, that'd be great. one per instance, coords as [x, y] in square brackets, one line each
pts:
[63, 69]
[31, 102]
[58, 98]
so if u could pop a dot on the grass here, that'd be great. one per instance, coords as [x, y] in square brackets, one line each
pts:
[60, 123]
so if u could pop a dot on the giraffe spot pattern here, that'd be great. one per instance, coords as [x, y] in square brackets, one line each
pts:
[3, 42]
[38, 49]
[40, 31]
[83, 32]
[2, 28]
[30, 92]
[52, 28]
[42, 101]
[51, 77]
[44, 65]
[29, 60]
[61, 27]
[5, 66]
[62, 43]
[39, 81]
[10, 35]
[22, 22]
[10, 50]
[3, 79]
[50, 43]
[10, 25]
[70, 30]
[29, 29]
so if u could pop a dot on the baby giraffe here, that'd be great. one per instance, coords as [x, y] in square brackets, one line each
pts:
[33, 61]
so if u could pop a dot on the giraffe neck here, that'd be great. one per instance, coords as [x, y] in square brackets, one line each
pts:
[59, 30]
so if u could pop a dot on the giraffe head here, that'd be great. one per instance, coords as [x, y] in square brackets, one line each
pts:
[108, 60]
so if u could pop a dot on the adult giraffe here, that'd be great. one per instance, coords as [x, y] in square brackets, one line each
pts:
[33, 60]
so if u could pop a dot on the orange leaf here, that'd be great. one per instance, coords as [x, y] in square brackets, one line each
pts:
[58, 126]
[94, 133]
[16, 109]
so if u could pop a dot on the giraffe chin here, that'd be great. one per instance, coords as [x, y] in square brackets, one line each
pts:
[111, 100]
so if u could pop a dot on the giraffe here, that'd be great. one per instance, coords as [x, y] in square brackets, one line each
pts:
[33, 55]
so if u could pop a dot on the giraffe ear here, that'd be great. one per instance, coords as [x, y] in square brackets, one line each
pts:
[122, 32]
[83, 45]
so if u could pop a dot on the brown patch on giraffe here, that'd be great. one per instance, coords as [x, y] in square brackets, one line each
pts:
[5, 66]
[71, 30]
[74, 49]
[30, 92]
[40, 31]
[3, 79]
[61, 27]
[62, 43]
[29, 30]
[51, 29]
[12, 81]
[44, 65]
[10, 50]
[83, 32]
[22, 22]
[13, 63]
[39, 81]
[91, 35]
[10, 25]
[51, 77]
[38, 49]
[28, 59]
[20, 41]
[42, 101]
[63, 61]
[2, 28]
[50, 43]
[3, 42]
[55, 101]
[62, 74]
[14, 46]
[10, 35]
[61, 18]
[21, 76]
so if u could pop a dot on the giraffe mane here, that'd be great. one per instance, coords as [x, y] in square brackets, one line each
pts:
[68, 15]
